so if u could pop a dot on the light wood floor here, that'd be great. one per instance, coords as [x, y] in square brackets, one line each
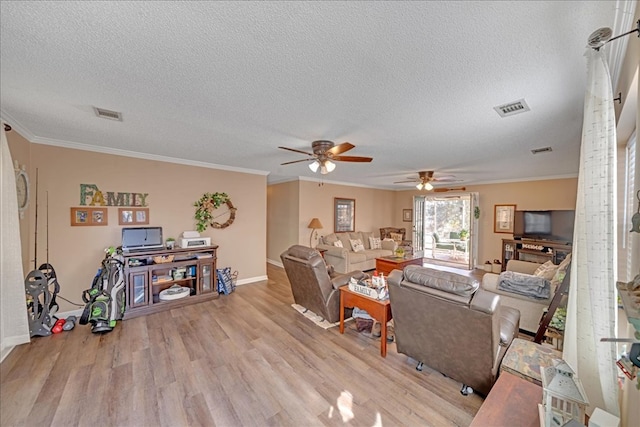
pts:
[244, 359]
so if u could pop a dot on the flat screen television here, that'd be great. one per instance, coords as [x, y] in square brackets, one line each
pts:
[141, 238]
[554, 225]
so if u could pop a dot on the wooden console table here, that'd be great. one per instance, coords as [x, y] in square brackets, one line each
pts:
[146, 278]
[511, 402]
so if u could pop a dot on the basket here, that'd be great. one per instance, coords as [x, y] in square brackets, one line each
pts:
[162, 259]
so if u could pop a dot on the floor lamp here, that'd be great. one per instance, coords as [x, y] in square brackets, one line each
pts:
[314, 225]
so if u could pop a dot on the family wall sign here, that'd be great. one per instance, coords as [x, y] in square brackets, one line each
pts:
[132, 208]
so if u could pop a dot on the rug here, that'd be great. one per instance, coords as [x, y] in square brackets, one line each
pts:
[318, 320]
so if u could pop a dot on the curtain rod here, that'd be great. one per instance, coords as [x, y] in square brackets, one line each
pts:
[596, 40]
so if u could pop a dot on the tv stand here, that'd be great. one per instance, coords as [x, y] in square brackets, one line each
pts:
[147, 277]
[532, 250]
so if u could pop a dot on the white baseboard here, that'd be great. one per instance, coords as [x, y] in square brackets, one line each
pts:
[276, 263]
[10, 343]
[251, 280]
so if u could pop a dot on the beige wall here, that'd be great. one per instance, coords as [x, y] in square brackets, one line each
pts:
[76, 252]
[303, 200]
[20, 150]
[282, 218]
[534, 195]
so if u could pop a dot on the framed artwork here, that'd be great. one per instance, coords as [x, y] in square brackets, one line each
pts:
[344, 215]
[133, 216]
[89, 216]
[503, 218]
[407, 215]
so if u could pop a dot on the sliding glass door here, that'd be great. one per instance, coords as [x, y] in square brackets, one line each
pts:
[445, 228]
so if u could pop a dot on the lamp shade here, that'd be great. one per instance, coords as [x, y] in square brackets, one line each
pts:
[314, 166]
[315, 224]
[330, 165]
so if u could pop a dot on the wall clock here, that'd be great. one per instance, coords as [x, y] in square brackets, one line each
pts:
[22, 190]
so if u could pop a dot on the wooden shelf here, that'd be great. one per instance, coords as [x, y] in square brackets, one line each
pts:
[549, 250]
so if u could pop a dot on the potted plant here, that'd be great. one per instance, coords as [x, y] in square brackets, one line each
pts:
[170, 242]
[463, 234]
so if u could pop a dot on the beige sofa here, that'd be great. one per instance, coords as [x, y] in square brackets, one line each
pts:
[344, 259]
[531, 310]
[445, 321]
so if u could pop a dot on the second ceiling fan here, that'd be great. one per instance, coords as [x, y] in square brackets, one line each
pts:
[425, 178]
[324, 154]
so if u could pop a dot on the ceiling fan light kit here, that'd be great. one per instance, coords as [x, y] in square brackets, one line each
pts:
[325, 153]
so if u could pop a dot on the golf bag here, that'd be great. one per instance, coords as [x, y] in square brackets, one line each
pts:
[41, 287]
[105, 301]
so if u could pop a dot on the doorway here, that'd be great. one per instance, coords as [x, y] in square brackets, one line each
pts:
[444, 229]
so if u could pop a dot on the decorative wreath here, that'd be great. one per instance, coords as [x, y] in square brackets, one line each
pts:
[207, 204]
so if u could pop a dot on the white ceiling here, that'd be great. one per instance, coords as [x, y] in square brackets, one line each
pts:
[411, 84]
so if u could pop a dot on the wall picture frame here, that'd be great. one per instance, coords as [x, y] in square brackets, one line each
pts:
[133, 216]
[503, 218]
[89, 216]
[344, 215]
[407, 215]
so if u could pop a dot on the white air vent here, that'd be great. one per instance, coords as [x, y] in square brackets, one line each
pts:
[108, 114]
[506, 110]
[541, 150]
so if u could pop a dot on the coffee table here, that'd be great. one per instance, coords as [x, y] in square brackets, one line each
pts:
[388, 263]
[378, 309]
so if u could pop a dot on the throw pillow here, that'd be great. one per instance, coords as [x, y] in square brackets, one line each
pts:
[356, 245]
[330, 239]
[365, 239]
[560, 273]
[338, 244]
[375, 243]
[546, 270]
[397, 237]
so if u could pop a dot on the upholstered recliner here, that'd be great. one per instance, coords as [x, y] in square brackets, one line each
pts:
[312, 282]
[447, 322]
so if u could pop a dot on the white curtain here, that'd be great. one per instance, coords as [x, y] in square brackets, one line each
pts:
[592, 308]
[14, 326]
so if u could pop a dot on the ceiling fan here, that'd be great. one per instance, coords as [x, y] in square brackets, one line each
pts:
[324, 154]
[425, 178]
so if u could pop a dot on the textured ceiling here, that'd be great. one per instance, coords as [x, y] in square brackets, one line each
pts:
[411, 84]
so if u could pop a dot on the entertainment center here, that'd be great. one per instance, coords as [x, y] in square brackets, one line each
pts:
[149, 272]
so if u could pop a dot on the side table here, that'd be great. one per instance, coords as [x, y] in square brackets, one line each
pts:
[378, 309]
[511, 402]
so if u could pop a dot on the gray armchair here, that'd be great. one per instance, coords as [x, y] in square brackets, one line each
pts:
[313, 283]
[402, 242]
[447, 322]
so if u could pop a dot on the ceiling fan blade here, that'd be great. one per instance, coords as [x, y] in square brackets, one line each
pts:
[296, 161]
[410, 180]
[340, 148]
[445, 179]
[351, 159]
[444, 190]
[297, 151]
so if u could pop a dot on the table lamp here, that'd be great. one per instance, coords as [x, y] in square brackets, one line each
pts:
[314, 225]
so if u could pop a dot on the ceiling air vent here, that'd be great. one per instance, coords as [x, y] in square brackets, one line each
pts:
[506, 110]
[541, 150]
[108, 114]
